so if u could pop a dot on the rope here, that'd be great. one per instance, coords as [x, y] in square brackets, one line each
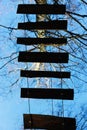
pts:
[61, 82]
[52, 100]
[29, 108]
[62, 100]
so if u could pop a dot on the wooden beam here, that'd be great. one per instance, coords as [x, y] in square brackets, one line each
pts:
[48, 122]
[47, 57]
[47, 93]
[50, 74]
[41, 9]
[55, 24]
[46, 41]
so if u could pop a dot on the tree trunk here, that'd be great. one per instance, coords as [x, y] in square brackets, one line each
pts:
[41, 33]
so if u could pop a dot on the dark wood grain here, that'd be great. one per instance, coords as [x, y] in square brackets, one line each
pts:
[50, 74]
[41, 9]
[47, 57]
[46, 41]
[47, 93]
[48, 122]
[55, 24]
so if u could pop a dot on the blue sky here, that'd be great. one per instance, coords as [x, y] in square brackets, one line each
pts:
[12, 107]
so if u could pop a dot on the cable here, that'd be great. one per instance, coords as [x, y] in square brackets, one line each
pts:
[29, 108]
[61, 82]
[52, 100]
[28, 98]
[62, 100]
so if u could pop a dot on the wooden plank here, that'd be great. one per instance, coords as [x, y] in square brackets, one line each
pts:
[50, 74]
[41, 9]
[48, 122]
[47, 57]
[46, 41]
[50, 93]
[55, 24]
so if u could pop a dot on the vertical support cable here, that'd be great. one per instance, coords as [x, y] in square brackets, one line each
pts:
[27, 78]
[52, 99]
[61, 82]
[62, 100]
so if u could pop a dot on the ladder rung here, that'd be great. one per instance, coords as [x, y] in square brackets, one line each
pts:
[48, 57]
[41, 9]
[50, 74]
[50, 93]
[48, 122]
[56, 24]
[46, 41]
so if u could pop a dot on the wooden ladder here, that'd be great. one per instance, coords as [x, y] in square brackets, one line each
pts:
[37, 121]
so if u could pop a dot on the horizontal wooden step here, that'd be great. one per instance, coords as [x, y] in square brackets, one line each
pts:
[46, 41]
[50, 74]
[41, 9]
[48, 122]
[55, 24]
[47, 93]
[47, 57]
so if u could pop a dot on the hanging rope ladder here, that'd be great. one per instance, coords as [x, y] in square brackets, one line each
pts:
[39, 121]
